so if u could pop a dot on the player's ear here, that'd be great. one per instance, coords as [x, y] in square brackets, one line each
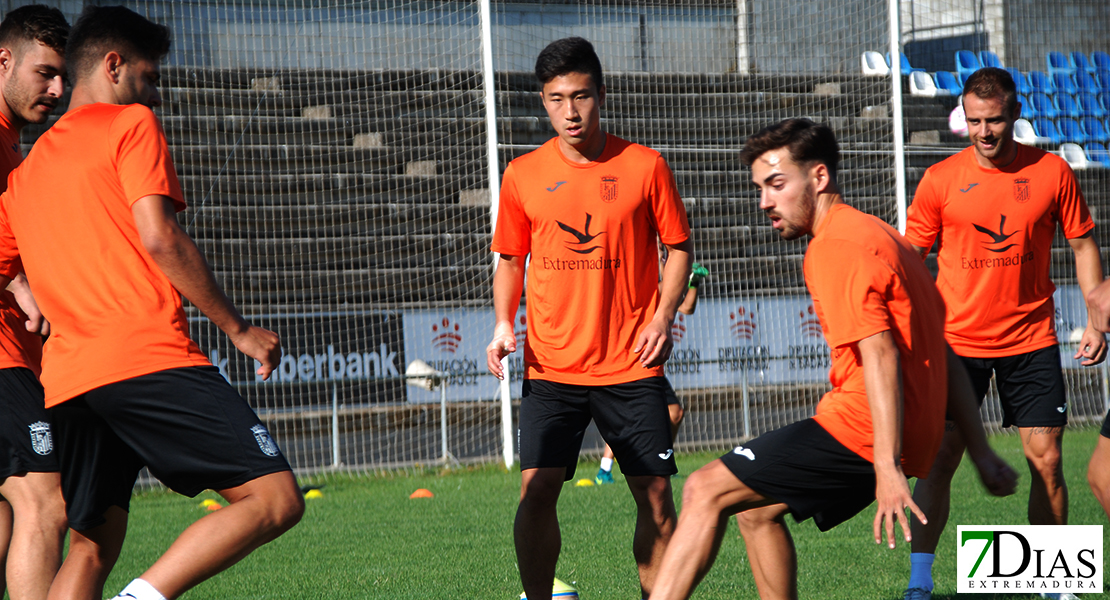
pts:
[7, 61]
[601, 96]
[111, 65]
[821, 176]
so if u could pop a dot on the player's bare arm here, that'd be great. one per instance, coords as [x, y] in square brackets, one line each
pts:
[1098, 306]
[508, 282]
[179, 258]
[21, 291]
[963, 409]
[1088, 271]
[654, 344]
[882, 375]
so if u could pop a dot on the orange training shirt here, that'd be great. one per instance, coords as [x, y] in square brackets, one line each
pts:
[995, 228]
[18, 347]
[67, 214]
[592, 279]
[865, 278]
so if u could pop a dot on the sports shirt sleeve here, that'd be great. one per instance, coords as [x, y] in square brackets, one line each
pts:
[666, 204]
[513, 234]
[10, 263]
[1075, 217]
[143, 158]
[923, 218]
[850, 287]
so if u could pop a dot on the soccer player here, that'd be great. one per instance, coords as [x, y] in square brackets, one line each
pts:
[90, 215]
[883, 420]
[994, 207]
[1098, 471]
[32, 69]
[674, 406]
[588, 206]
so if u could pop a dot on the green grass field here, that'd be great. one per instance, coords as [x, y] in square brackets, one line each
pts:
[366, 539]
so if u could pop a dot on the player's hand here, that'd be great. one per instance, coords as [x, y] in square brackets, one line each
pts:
[503, 344]
[892, 493]
[655, 343]
[996, 474]
[1092, 347]
[21, 291]
[1098, 306]
[262, 345]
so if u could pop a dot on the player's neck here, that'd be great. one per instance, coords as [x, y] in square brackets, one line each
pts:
[825, 202]
[586, 152]
[9, 115]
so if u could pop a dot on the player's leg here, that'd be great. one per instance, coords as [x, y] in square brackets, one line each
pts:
[770, 550]
[1035, 400]
[92, 554]
[258, 512]
[536, 529]
[605, 471]
[674, 409]
[711, 495]
[655, 523]
[5, 539]
[37, 534]
[1098, 471]
[553, 420]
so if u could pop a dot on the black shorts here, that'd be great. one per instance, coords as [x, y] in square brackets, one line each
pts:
[1030, 386]
[188, 426]
[631, 417]
[804, 467]
[1106, 426]
[26, 439]
[668, 393]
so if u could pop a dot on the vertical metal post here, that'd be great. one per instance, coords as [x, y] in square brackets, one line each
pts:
[896, 110]
[1105, 387]
[506, 415]
[743, 59]
[335, 425]
[746, 404]
[443, 420]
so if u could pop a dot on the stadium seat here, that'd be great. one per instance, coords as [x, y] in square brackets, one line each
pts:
[922, 85]
[904, 66]
[1085, 81]
[1027, 111]
[873, 63]
[947, 81]
[1081, 63]
[1019, 80]
[1102, 77]
[1058, 63]
[1063, 82]
[1070, 131]
[1094, 130]
[1042, 106]
[963, 78]
[1045, 130]
[967, 62]
[1023, 132]
[1104, 101]
[1089, 105]
[1098, 155]
[989, 59]
[1100, 60]
[1074, 154]
[1039, 82]
[1066, 106]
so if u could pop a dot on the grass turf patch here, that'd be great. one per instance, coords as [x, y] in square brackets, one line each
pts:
[366, 539]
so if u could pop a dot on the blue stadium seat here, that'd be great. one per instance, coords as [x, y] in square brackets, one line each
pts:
[1019, 80]
[1045, 128]
[1102, 76]
[1058, 63]
[967, 62]
[1094, 130]
[1064, 82]
[1081, 63]
[1042, 106]
[1070, 131]
[1089, 105]
[963, 78]
[947, 81]
[904, 65]
[1041, 83]
[1104, 101]
[989, 59]
[1097, 154]
[1100, 60]
[1085, 82]
[1066, 106]
[1027, 111]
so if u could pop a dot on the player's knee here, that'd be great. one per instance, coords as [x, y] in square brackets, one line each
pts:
[1048, 464]
[285, 510]
[699, 492]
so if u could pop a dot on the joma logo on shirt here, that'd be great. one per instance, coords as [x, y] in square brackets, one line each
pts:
[581, 237]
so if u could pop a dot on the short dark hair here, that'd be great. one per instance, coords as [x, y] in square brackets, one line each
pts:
[808, 142]
[103, 29]
[992, 82]
[569, 55]
[35, 23]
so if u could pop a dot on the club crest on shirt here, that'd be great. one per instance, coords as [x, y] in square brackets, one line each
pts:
[41, 440]
[1021, 190]
[265, 442]
[609, 189]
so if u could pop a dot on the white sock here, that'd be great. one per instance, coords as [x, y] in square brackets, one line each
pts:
[606, 464]
[140, 590]
[921, 570]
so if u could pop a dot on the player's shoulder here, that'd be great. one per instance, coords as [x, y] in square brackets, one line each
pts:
[1037, 158]
[957, 162]
[538, 157]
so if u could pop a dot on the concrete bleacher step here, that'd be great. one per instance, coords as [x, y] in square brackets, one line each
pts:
[307, 219]
[307, 80]
[414, 188]
[371, 104]
[382, 287]
[355, 252]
